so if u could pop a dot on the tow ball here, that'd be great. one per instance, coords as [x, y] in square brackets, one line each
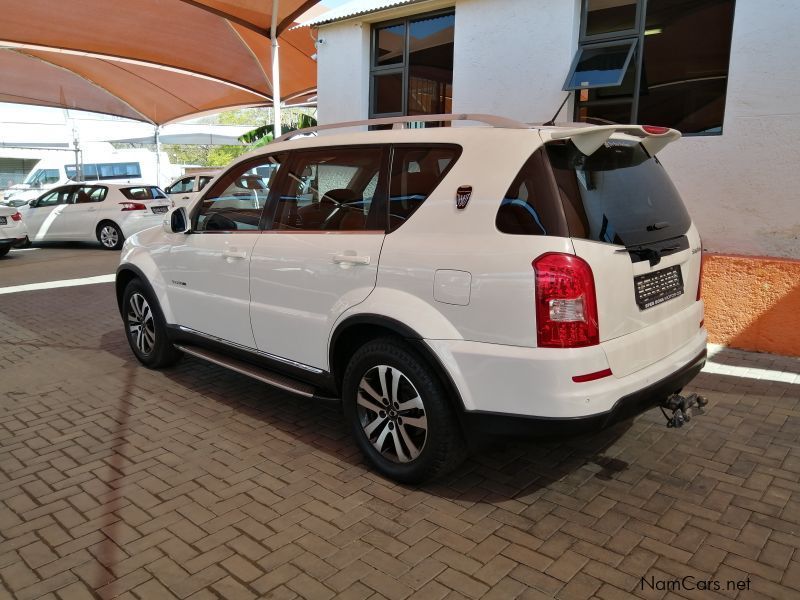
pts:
[681, 408]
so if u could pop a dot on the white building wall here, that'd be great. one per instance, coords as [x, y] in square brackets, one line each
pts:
[343, 72]
[511, 59]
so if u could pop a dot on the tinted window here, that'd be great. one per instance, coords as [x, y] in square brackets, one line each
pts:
[603, 16]
[237, 199]
[619, 195]
[143, 192]
[415, 174]
[528, 207]
[331, 190]
[390, 45]
[182, 186]
[59, 196]
[90, 193]
[430, 65]
[685, 75]
[601, 65]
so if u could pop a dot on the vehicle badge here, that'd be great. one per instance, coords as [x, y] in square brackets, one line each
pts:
[463, 194]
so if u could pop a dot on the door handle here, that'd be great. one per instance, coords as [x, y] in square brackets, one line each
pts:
[351, 259]
[185, 198]
[91, 209]
[238, 254]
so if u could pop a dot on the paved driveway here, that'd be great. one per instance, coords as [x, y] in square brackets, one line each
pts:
[194, 482]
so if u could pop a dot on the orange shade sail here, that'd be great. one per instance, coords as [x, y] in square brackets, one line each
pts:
[151, 60]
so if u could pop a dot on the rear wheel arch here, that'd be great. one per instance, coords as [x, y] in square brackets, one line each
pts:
[355, 331]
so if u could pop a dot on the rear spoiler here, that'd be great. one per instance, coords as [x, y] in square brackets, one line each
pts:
[589, 139]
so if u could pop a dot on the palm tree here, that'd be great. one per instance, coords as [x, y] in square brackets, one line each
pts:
[261, 136]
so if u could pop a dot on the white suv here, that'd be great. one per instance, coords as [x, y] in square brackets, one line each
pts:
[441, 282]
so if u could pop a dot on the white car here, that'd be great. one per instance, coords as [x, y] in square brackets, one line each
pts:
[442, 282]
[13, 231]
[185, 189]
[108, 213]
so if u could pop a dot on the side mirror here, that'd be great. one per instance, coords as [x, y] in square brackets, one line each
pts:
[33, 203]
[177, 221]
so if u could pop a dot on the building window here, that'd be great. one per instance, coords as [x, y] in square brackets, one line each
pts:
[411, 68]
[659, 62]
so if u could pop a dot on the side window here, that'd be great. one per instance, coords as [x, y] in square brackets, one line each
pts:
[87, 194]
[235, 202]
[202, 182]
[415, 174]
[50, 199]
[528, 207]
[182, 186]
[59, 196]
[333, 189]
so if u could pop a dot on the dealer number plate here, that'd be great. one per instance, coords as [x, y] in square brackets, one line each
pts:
[160, 209]
[3, 221]
[656, 288]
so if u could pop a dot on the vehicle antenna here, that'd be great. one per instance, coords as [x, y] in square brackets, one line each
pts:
[552, 121]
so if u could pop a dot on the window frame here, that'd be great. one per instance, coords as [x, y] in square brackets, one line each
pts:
[401, 67]
[637, 35]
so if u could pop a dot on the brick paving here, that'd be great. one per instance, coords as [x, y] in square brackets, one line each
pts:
[119, 482]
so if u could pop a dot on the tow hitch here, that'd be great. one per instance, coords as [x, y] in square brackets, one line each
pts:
[681, 407]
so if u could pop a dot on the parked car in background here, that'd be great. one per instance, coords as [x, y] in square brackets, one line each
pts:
[107, 213]
[13, 231]
[185, 189]
[14, 203]
[443, 282]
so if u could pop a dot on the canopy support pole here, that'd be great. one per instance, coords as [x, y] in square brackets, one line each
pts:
[158, 155]
[276, 72]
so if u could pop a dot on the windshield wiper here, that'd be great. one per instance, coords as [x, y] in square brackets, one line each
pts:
[657, 226]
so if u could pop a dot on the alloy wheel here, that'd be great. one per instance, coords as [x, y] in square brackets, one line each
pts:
[392, 414]
[141, 324]
[109, 236]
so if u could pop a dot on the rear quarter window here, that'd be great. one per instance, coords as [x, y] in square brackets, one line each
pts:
[530, 206]
[416, 171]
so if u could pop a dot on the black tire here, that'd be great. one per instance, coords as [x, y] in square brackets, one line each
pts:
[110, 235]
[440, 450]
[4, 250]
[152, 346]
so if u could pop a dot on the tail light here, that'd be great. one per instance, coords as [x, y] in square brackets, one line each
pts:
[655, 129]
[16, 216]
[566, 303]
[700, 278]
[126, 206]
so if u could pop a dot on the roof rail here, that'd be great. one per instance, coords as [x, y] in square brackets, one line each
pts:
[494, 121]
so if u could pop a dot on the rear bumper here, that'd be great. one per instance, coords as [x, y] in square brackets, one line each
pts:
[14, 242]
[628, 406]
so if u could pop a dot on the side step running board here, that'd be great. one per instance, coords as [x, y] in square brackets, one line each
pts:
[279, 381]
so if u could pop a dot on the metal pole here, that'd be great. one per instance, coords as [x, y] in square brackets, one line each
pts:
[276, 72]
[158, 155]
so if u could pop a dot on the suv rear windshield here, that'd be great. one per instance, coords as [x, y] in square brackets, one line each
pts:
[619, 195]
